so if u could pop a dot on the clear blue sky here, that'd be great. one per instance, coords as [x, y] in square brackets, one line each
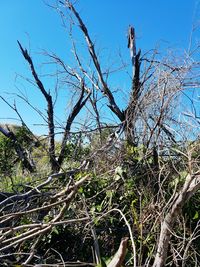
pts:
[167, 23]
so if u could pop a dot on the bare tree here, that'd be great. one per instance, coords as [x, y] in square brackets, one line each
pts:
[142, 167]
[55, 163]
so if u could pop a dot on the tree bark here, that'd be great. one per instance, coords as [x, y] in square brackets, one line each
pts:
[191, 185]
[50, 109]
[135, 90]
[119, 257]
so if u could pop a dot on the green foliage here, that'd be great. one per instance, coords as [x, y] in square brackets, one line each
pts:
[7, 156]
[125, 183]
[24, 136]
[75, 148]
[102, 264]
[11, 171]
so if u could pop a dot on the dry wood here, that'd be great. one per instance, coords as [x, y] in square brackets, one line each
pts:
[191, 185]
[119, 257]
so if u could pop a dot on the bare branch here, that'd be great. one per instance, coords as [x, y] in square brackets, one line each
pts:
[76, 109]
[112, 104]
[191, 185]
[50, 109]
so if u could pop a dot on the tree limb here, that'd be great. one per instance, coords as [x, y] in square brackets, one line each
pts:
[105, 90]
[190, 187]
[119, 256]
[75, 111]
[50, 110]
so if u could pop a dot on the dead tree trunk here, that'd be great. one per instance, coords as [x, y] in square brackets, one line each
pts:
[135, 90]
[191, 185]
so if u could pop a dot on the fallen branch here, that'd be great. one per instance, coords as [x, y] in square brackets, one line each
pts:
[120, 254]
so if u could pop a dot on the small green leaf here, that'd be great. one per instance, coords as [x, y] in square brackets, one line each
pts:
[80, 190]
[196, 216]
[55, 230]
[98, 208]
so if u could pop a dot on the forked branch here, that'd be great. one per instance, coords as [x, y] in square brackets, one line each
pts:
[105, 89]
